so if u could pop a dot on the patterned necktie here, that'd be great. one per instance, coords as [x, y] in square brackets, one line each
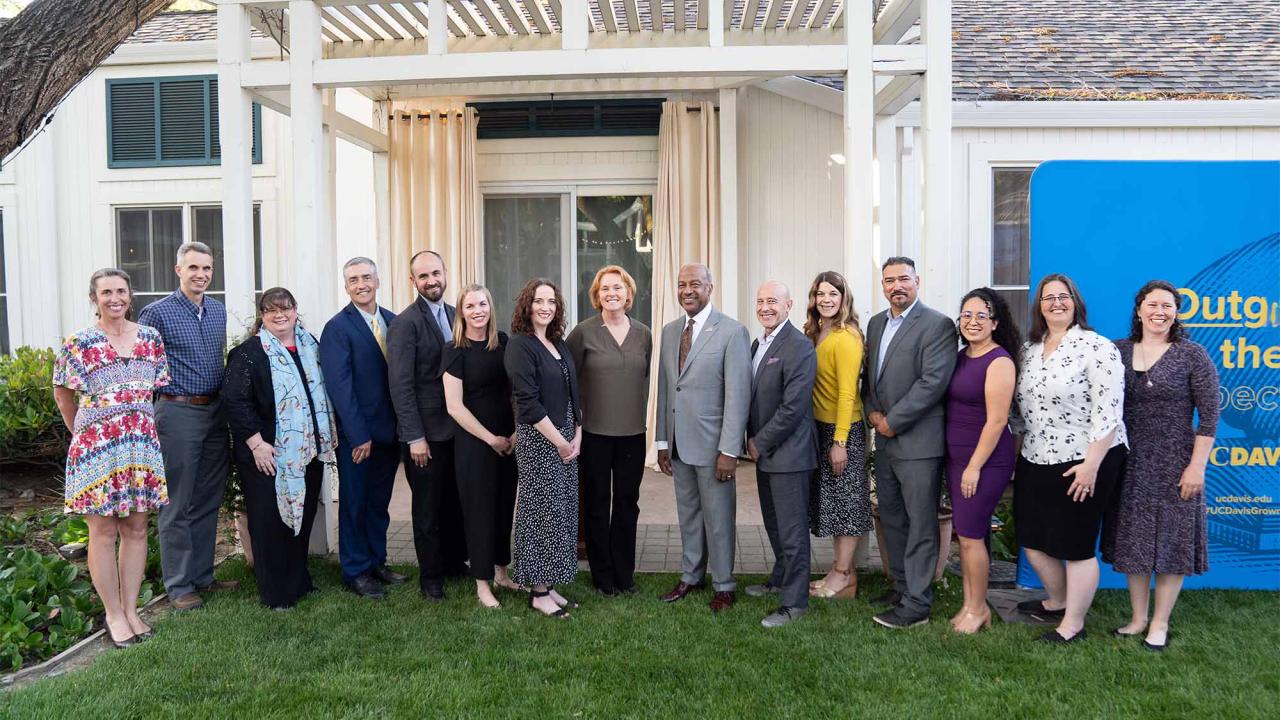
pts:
[686, 339]
[377, 335]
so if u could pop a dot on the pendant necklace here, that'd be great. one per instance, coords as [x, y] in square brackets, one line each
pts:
[1143, 356]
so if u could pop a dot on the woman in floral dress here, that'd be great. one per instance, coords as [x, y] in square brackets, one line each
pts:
[104, 379]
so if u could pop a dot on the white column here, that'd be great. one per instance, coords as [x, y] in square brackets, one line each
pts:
[573, 26]
[437, 28]
[887, 209]
[382, 201]
[941, 262]
[235, 132]
[859, 121]
[728, 279]
[909, 227]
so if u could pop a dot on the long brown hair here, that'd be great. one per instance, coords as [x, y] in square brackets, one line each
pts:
[460, 338]
[1040, 328]
[522, 316]
[846, 316]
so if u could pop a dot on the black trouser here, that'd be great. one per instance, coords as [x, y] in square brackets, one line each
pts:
[279, 556]
[612, 468]
[437, 517]
[487, 491]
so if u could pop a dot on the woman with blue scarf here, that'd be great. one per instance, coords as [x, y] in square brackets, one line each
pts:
[282, 431]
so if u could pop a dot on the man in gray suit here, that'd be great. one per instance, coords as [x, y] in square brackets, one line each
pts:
[911, 352]
[704, 387]
[781, 440]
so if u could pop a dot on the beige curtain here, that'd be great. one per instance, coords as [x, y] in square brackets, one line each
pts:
[435, 195]
[686, 213]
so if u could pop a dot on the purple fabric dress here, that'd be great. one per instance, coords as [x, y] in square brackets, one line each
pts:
[966, 414]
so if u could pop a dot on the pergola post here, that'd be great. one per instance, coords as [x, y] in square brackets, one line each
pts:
[859, 130]
[235, 135]
[888, 157]
[730, 295]
[935, 128]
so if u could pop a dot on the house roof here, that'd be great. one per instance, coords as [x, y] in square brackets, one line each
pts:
[1053, 49]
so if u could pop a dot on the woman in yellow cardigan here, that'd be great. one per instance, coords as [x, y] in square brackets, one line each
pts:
[840, 498]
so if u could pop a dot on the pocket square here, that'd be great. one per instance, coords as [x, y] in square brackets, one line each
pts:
[772, 360]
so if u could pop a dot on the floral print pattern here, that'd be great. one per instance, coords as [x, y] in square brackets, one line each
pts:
[114, 464]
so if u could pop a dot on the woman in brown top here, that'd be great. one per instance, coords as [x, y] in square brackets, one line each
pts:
[612, 352]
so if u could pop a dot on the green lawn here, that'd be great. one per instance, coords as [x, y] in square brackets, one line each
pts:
[337, 655]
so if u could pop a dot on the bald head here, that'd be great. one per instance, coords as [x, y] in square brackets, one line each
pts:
[773, 304]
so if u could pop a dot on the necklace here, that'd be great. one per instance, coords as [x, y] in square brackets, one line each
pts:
[1143, 357]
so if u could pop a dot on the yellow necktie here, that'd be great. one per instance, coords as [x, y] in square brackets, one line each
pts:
[377, 335]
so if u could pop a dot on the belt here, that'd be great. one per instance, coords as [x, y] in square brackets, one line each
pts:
[191, 399]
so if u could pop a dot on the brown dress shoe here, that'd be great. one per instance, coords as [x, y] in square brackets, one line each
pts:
[188, 601]
[723, 600]
[217, 585]
[679, 592]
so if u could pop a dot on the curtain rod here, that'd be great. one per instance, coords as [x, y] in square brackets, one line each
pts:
[405, 114]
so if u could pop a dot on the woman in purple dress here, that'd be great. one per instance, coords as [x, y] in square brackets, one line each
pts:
[980, 451]
[1159, 527]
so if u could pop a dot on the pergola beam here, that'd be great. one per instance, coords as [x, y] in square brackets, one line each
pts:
[593, 87]
[897, 94]
[344, 126]
[895, 19]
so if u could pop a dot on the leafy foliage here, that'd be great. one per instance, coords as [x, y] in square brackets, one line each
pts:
[31, 428]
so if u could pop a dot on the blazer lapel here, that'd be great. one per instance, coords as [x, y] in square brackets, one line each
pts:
[361, 326]
[908, 325]
[773, 350]
[704, 337]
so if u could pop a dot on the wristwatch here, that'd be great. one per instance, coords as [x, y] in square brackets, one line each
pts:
[841, 443]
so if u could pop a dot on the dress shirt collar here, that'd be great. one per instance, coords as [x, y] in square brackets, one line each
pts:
[186, 302]
[904, 314]
[767, 338]
[699, 320]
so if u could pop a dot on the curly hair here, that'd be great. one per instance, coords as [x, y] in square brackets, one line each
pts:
[522, 316]
[1176, 330]
[1039, 327]
[846, 316]
[1006, 333]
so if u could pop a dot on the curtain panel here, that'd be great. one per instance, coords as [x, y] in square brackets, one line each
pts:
[434, 195]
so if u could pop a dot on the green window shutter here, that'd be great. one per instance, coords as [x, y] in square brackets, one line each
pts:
[131, 133]
[182, 121]
[216, 145]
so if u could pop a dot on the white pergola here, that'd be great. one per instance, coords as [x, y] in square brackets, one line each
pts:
[508, 48]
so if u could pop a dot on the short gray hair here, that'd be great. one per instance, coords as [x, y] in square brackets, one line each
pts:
[192, 246]
[358, 260]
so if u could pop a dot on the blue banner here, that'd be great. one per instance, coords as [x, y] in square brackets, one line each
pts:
[1213, 230]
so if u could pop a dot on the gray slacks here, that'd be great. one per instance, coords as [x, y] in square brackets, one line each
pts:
[197, 457]
[784, 503]
[708, 512]
[908, 491]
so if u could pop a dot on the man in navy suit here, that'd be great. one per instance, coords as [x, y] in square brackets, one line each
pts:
[353, 358]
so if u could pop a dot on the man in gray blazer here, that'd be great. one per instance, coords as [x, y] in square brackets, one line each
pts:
[911, 352]
[781, 440]
[704, 387]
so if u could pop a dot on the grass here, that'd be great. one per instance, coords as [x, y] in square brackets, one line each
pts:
[337, 655]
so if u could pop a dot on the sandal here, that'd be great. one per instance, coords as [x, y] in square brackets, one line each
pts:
[560, 613]
[847, 592]
[567, 602]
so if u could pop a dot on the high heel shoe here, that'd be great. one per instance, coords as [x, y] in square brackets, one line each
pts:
[848, 592]
[559, 612]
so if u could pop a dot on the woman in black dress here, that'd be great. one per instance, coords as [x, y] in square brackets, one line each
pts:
[478, 396]
[548, 441]
[283, 432]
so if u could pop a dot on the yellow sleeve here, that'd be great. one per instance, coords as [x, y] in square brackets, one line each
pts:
[848, 366]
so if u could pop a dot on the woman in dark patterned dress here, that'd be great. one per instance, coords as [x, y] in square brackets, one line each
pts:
[104, 382]
[980, 449]
[1159, 527]
[478, 396]
[544, 384]
[840, 494]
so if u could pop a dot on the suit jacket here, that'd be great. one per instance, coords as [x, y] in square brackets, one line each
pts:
[355, 373]
[702, 412]
[248, 398]
[537, 385]
[911, 387]
[780, 421]
[415, 353]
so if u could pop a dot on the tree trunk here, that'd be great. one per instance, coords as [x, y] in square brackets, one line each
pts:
[50, 47]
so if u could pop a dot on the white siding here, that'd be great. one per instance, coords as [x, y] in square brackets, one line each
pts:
[568, 161]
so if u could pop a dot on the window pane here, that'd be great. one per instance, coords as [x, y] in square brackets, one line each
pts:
[521, 242]
[166, 237]
[4, 324]
[206, 227]
[616, 230]
[1018, 305]
[1011, 227]
[133, 243]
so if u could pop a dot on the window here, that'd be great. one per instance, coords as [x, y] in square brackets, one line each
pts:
[153, 122]
[1011, 238]
[147, 242]
[528, 236]
[4, 297]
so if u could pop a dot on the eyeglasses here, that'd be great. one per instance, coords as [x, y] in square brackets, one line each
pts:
[1063, 298]
[967, 316]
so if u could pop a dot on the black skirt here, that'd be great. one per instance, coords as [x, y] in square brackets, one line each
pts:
[1049, 520]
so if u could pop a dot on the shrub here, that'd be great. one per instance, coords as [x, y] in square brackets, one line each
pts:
[31, 429]
[46, 605]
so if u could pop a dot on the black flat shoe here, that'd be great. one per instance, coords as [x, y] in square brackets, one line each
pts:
[387, 576]
[607, 592]
[1158, 648]
[1037, 610]
[1053, 638]
[366, 586]
[560, 613]
[433, 592]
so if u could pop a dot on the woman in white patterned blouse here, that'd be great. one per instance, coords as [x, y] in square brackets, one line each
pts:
[1070, 402]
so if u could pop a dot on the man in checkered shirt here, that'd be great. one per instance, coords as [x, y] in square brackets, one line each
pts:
[191, 426]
